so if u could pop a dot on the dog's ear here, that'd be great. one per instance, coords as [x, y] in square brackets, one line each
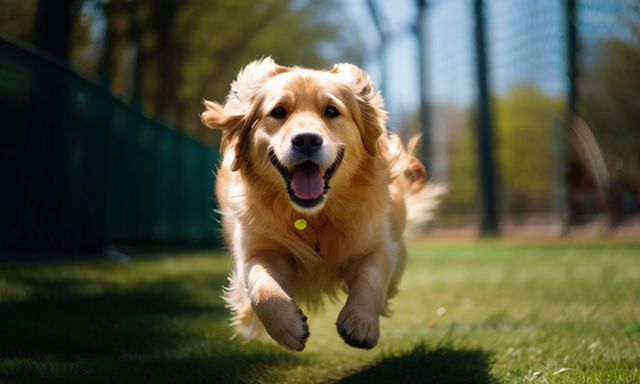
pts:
[239, 112]
[233, 123]
[215, 116]
[371, 117]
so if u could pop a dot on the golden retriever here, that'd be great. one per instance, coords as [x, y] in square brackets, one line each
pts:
[313, 193]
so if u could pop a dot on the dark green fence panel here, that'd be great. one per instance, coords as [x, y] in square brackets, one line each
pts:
[82, 170]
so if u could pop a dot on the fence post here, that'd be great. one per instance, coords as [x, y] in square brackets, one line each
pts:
[488, 211]
[570, 14]
[425, 116]
[382, 49]
[561, 204]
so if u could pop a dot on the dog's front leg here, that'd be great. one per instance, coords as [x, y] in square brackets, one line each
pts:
[267, 277]
[358, 321]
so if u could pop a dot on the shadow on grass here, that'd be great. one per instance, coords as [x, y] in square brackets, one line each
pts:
[147, 331]
[442, 364]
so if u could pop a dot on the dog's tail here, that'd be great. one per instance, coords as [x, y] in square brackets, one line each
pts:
[409, 176]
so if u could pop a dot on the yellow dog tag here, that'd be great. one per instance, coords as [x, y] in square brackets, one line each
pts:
[300, 224]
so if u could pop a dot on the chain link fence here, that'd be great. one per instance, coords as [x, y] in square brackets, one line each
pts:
[83, 170]
[551, 122]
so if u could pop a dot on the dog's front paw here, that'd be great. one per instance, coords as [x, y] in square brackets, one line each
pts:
[285, 323]
[358, 328]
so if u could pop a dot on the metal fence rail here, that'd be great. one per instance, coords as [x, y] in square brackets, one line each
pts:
[82, 170]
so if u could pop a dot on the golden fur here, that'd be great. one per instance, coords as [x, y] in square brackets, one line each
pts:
[354, 236]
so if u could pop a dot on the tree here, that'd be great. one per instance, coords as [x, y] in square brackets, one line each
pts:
[52, 26]
[525, 118]
[222, 37]
[16, 18]
[610, 103]
[463, 179]
[167, 55]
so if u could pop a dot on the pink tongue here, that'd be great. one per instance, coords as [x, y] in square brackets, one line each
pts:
[307, 181]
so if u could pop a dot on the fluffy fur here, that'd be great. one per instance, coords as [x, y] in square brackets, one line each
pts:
[353, 241]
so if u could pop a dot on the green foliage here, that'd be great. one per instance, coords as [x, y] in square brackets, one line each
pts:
[222, 37]
[610, 101]
[478, 313]
[524, 118]
[16, 18]
[463, 178]
[524, 121]
[195, 51]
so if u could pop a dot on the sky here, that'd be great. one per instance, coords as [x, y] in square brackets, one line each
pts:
[401, 92]
[450, 50]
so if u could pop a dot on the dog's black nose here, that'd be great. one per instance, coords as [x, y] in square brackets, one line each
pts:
[307, 142]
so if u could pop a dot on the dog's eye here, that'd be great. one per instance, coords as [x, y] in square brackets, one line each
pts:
[331, 112]
[278, 113]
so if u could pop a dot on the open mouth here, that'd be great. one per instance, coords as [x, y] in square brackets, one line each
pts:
[306, 185]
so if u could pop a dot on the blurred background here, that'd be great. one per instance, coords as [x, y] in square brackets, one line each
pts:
[529, 111]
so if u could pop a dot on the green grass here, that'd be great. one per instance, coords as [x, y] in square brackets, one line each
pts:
[487, 312]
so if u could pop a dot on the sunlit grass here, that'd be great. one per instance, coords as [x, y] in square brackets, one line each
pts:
[476, 313]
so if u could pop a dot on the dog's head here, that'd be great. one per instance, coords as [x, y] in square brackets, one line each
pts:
[301, 131]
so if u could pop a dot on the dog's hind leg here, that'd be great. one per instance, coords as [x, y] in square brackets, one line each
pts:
[398, 270]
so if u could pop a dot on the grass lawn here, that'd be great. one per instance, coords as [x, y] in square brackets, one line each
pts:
[486, 312]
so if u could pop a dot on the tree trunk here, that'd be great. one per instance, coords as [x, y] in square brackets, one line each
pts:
[52, 27]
